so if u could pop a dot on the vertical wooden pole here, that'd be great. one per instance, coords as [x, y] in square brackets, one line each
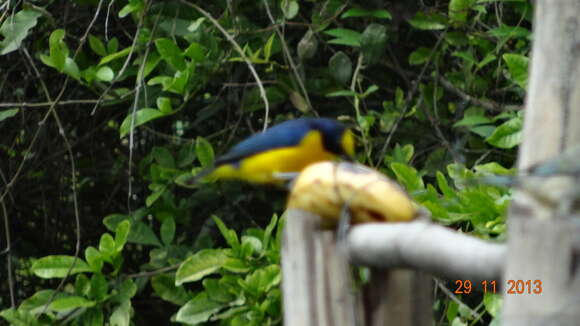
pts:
[316, 284]
[399, 297]
[541, 269]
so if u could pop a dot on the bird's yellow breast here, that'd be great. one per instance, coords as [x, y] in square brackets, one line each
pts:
[262, 167]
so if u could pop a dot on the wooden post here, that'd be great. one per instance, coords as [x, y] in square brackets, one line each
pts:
[541, 232]
[316, 284]
[318, 290]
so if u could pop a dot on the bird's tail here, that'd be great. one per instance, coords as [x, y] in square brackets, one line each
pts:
[193, 180]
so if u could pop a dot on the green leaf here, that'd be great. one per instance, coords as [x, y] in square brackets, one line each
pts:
[164, 105]
[122, 234]
[488, 59]
[71, 302]
[164, 286]
[94, 259]
[428, 22]
[198, 310]
[268, 46]
[307, 46]
[268, 231]
[230, 235]
[195, 51]
[204, 152]
[236, 265]
[373, 43]
[216, 291]
[115, 56]
[19, 317]
[345, 92]
[472, 120]
[58, 266]
[452, 310]
[141, 117]
[126, 290]
[203, 263]
[142, 233]
[6, 114]
[508, 134]
[493, 168]
[171, 53]
[459, 9]
[360, 12]
[506, 32]
[444, 185]
[518, 68]
[111, 221]
[465, 55]
[82, 285]
[289, 8]
[97, 45]
[37, 302]
[105, 73]
[99, 287]
[186, 155]
[250, 245]
[408, 177]
[340, 67]
[168, 230]
[15, 29]
[107, 245]
[151, 199]
[121, 316]
[71, 69]
[401, 154]
[92, 317]
[344, 36]
[57, 48]
[152, 62]
[419, 56]
[132, 6]
[493, 303]
[163, 157]
[262, 280]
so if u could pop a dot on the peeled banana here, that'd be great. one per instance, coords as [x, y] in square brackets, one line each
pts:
[325, 188]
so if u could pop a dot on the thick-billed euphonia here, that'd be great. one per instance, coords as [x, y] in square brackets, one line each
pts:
[288, 147]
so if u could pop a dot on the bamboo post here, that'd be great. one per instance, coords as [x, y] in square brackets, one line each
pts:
[541, 226]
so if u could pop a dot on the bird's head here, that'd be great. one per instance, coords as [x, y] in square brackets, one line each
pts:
[336, 137]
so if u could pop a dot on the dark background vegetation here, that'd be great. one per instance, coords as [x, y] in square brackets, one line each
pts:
[433, 90]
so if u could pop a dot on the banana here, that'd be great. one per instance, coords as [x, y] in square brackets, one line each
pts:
[325, 188]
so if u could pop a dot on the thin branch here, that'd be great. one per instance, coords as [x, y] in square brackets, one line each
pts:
[486, 104]
[155, 272]
[45, 104]
[241, 53]
[453, 297]
[125, 65]
[409, 97]
[289, 58]
[8, 254]
[138, 87]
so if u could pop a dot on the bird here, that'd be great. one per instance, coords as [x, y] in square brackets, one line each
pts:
[284, 150]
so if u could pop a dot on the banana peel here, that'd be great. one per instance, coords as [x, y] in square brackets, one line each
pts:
[326, 188]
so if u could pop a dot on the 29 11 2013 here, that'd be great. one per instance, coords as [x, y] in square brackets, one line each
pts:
[511, 286]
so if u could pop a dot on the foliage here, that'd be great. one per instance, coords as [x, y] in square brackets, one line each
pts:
[108, 106]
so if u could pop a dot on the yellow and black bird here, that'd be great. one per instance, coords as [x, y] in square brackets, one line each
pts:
[286, 148]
